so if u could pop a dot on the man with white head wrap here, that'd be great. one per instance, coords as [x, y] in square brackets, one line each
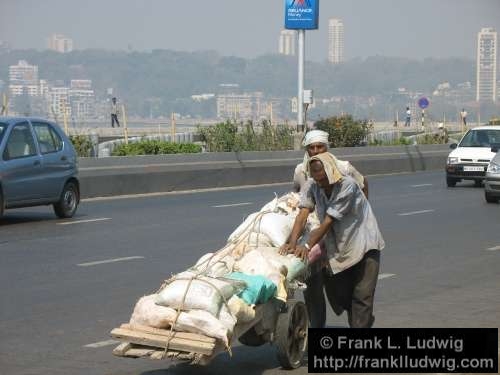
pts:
[316, 142]
[351, 237]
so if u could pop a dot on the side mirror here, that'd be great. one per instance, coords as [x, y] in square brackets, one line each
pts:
[453, 146]
[495, 147]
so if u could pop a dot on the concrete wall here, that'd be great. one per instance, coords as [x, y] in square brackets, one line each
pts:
[148, 174]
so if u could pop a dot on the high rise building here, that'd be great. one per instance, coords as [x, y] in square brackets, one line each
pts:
[59, 101]
[486, 74]
[82, 98]
[287, 42]
[335, 41]
[23, 78]
[60, 43]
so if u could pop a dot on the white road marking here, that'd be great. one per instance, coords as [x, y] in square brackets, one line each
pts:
[494, 248]
[420, 185]
[386, 275]
[84, 221]
[100, 344]
[109, 261]
[415, 212]
[233, 205]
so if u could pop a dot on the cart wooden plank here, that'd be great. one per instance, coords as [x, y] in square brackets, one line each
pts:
[174, 343]
[168, 333]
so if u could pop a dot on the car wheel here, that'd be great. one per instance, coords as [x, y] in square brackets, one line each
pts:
[451, 182]
[68, 203]
[490, 199]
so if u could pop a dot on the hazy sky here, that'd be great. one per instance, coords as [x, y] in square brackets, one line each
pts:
[248, 28]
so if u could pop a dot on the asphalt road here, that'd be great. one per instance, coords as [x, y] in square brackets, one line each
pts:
[60, 292]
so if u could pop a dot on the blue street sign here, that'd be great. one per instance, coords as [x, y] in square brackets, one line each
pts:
[301, 14]
[423, 102]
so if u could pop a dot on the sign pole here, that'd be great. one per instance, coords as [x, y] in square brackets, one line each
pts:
[300, 94]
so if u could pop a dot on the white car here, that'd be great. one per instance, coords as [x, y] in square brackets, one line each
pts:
[471, 157]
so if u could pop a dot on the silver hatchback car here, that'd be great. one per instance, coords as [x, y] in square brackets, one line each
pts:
[38, 166]
[492, 180]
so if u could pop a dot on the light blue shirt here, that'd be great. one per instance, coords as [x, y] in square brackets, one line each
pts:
[354, 230]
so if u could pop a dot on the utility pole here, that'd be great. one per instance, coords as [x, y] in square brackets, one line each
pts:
[125, 129]
[301, 16]
[172, 130]
[5, 105]
[300, 94]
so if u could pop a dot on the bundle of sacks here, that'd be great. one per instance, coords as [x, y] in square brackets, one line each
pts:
[223, 288]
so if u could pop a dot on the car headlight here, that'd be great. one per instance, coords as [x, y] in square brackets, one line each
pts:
[493, 168]
[452, 160]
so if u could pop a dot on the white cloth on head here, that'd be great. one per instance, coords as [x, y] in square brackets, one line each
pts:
[302, 180]
[315, 136]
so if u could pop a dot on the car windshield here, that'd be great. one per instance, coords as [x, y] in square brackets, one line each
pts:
[480, 138]
[2, 128]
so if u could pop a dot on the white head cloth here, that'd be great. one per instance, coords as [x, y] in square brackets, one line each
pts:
[312, 136]
[315, 136]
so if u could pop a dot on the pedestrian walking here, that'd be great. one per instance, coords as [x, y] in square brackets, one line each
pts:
[463, 116]
[349, 234]
[408, 116]
[114, 113]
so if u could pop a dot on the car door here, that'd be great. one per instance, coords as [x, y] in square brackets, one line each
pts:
[22, 167]
[56, 166]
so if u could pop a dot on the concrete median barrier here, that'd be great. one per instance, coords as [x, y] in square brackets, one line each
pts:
[149, 174]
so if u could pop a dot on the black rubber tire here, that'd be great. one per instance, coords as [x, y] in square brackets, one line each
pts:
[68, 202]
[251, 338]
[490, 199]
[291, 335]
[451, 182]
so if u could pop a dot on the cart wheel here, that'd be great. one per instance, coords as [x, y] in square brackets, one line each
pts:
[291, 334]
[251, 338]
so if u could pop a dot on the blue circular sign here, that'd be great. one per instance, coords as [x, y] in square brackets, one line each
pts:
[423, 102]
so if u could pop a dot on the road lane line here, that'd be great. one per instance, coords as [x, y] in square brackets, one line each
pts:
[233, 205]
[415, 212]
[420, 185]
[100, 344]
[386, 275]
[494, 248]
[109, 261]
[84, 221]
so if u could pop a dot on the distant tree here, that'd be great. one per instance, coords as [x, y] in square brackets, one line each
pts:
[344, 131]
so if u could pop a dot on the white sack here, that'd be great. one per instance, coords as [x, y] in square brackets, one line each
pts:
[275, 226]
[148, 313]
[203, 293]
[215, 265]
[239, 309]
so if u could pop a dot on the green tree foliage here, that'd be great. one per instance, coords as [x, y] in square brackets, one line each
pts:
[230, 136]
[155, 147]
[344, 131]
[82, 145]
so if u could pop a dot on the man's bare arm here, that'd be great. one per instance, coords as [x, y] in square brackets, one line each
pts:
[298, 228]
[315, 236]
